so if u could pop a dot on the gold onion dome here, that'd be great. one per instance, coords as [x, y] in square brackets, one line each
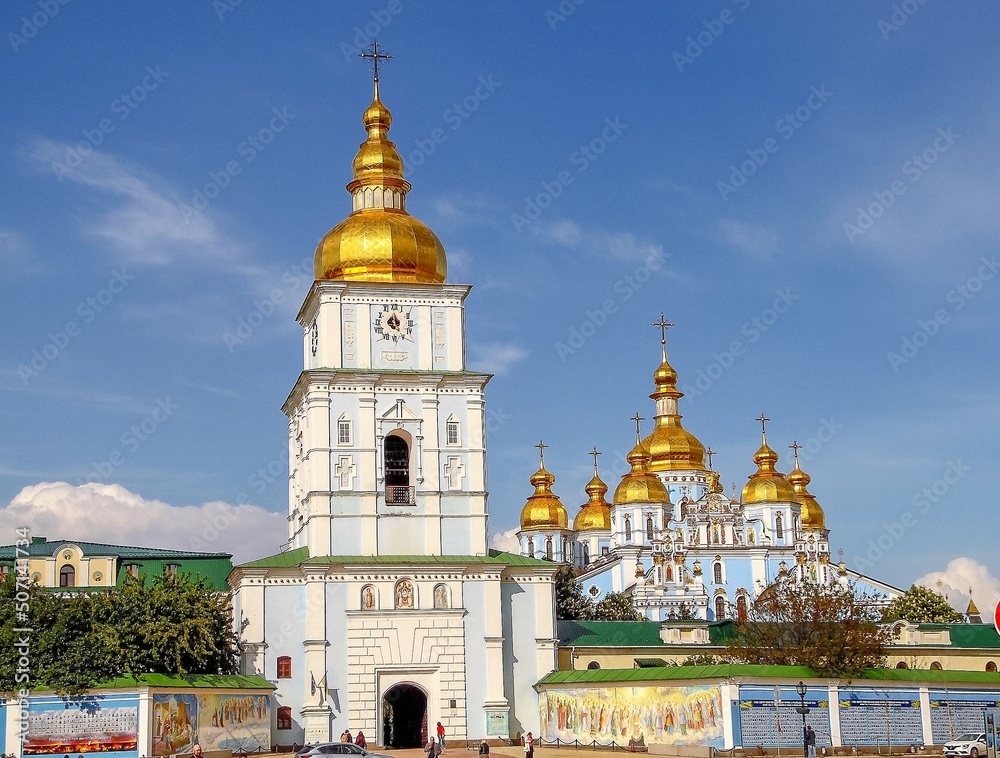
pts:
[543, 509]
[671, 446]
[767, 485]
[596, 512]
[380, 241]
[640, 485]
[812, 516]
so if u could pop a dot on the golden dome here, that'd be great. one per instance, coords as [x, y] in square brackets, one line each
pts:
[380, 241]
[595, 514]
[671, 446]
[812, 516]
[767, 485]
[640, 485]
[543, 509]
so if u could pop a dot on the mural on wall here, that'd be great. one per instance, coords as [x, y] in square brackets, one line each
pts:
[218, 722]
[93, 724]
[656, 715]
[234, 722]
[175, 723]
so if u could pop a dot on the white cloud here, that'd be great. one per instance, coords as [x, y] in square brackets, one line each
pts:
[506, 541]
[111, 514]
[496, 357]
[618, 245]
[753, 239]
[961, 575]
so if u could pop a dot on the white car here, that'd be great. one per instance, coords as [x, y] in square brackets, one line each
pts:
[971, 744]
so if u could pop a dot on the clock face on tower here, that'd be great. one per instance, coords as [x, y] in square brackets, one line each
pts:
[393, 323]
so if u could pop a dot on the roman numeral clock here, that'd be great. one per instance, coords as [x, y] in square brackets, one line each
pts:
[393, 324]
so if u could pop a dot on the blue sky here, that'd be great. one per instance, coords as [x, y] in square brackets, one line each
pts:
[810, 194]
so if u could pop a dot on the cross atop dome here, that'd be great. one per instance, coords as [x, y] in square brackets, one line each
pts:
[663, 325]
[375, 57]
[638, 431]
[595, 452]
[763, 425]
[795, 447]
[710, 452]
[541, 453]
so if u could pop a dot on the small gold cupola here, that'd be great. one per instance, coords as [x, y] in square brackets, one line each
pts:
[640, 485]
[380, 241]
[671, 447]
[543, 510]
[595, 514]
[812, 517]
[767, 484]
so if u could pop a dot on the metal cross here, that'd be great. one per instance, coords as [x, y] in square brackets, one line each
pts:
[375, 56]
[763, 421]
[595, 452]
[541, 452]
[637, 419]
[710, 452]
[663, 325]
[795, 447]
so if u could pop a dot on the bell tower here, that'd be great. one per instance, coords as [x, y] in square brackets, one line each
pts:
[386, 425]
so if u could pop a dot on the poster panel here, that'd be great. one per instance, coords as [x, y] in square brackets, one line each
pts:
[77, 726]
[234, 722]
[766, 721]
[175, 723]
[880, 717]
[655, 715]
[956, 713]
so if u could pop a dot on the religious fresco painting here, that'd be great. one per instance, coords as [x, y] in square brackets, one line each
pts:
[655, 715]
[217, 722]
[92, 724]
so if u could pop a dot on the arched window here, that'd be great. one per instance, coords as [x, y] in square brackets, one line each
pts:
[397, 471]
[936, 666]
[779, 529]
[67, 576]
[548, 548]
[531, 547]
[284, 717]
[586, 553]
[902, 665]
[565, 549]
[741, 608]
[284, 667]
[717, 572]
[720, 607]
[628, 529]
[991, 666]
[649, 529]
[593, 665]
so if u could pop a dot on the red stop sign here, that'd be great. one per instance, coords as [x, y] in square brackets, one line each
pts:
[996, 617]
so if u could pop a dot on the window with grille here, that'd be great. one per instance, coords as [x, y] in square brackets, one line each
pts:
[344, 432]
[284, 667]
[452, 432]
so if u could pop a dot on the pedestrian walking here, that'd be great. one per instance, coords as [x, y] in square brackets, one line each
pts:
[484, 748]
[810, 742]
[529, 746]
[440, 733]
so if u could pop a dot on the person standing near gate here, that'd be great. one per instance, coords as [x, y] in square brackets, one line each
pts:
[529, 746]
[811, 742]
[440, 733]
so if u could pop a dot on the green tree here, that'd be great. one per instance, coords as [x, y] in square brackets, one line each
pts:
[171, 625]
[571, 603]
[834, 630]
[921, 605]
[616, 606]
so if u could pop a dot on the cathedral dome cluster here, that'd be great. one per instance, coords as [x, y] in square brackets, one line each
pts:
[670, 536]
[380, 241]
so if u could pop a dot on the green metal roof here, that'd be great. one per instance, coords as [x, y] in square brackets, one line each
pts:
[213, 681]
[724, 671]
[609, 633]
[974, 635]
[300, 555]
[40, 547]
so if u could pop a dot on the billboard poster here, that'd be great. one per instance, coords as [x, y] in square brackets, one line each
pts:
[77, 726]
[768, 716]
[655, 715]
[878, 717]
[217, 722]
[957, 712]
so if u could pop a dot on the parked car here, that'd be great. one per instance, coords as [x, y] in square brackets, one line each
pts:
[337, 748]
[971, 744]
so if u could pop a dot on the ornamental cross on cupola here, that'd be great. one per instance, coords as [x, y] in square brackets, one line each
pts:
[663, 325]
[541, 453]
[595, 452]
[795, 447]
[638, 431]
[763, 425]
[375, 57]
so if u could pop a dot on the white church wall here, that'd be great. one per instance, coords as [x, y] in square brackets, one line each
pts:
[284, 612]
[476, 657]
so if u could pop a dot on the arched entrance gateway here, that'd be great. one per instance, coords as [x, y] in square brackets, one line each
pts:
[404, 716]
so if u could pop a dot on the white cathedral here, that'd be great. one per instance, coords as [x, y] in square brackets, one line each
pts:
[387, 612]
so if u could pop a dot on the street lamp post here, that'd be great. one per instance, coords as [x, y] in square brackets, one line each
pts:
[802, 709]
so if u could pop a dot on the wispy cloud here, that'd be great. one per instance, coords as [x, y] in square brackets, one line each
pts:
[623, 246]
[753, 239]
[506, 541]
[496, 357]
[16, 252]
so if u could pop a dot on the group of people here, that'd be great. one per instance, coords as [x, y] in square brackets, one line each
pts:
[360, 740]
[435, 747]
